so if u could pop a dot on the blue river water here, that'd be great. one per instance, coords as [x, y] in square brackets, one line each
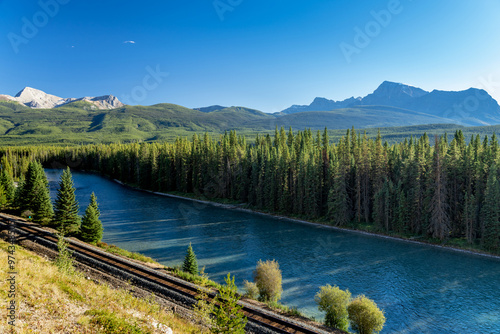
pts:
[422, 289]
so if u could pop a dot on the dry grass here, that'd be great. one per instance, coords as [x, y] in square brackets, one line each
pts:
[52, 302]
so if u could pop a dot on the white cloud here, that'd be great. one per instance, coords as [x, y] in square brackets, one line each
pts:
[129, 42]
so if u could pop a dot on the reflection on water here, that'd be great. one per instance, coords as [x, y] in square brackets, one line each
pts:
[422, 289]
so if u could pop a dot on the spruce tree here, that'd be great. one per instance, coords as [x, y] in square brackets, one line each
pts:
[491, 212]
[91, 228]
[190, 263]
[8, 185]
[3, 197]
[34, 194]
[93, 202]
[18, 193]
[66, 207]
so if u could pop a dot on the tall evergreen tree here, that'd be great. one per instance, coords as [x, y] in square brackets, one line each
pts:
[66, 216]
[91, 228]
[8, 185]
[490, 212]
[439, 224]
[338, 202]
[34, 195]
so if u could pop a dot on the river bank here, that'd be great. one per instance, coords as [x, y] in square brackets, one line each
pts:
[236, 207]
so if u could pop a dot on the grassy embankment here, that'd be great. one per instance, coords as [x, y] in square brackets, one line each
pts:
[53, 302]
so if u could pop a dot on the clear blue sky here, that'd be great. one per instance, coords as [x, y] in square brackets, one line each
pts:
[265, 55]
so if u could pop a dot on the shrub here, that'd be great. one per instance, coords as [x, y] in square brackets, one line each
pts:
[111, 323]
[365, 316]
[252, 291]
[334, 301]
[64, 261]
[267, 277]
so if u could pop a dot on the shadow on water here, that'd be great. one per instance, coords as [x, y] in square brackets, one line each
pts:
[422, 289]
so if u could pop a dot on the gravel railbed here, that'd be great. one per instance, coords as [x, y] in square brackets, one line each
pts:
[183, 302]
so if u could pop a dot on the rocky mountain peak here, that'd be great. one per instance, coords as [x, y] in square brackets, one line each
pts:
[37, 99]
[388, 88]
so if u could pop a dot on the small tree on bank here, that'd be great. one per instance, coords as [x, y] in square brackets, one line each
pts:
[190, 263]
[268, 278]
[334, 301]
[66, 216]
[365, 316]
[228, 316]
[91, 229]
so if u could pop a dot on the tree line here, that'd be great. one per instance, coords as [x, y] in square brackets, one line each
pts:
[421, 187]
[30, 198]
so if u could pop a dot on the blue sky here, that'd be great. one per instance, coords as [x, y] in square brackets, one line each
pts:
[265, 55]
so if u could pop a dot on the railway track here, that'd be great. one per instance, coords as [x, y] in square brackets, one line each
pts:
[268, 320]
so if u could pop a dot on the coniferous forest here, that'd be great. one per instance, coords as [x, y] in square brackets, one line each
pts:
[424, 188]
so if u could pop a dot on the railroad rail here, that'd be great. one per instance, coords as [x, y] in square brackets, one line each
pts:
[267, 320]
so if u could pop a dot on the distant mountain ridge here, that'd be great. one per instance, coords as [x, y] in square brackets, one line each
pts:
[210, 108]
[37, 99]
[470, 107]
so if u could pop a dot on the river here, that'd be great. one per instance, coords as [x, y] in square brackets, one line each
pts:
[422, 289]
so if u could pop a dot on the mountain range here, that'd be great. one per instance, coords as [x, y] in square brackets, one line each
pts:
[34, 116]
[469, 107]
[38, 99]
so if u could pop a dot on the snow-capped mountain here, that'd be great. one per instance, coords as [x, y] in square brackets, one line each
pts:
[37, 99]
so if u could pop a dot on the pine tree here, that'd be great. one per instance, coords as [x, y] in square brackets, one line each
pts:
[439, 224]
[190, 263]
[91, 228]
[34, 194]
[8, 185]
[66, 207]
[3, 197]
[491, 212]
[18, 193]
[338, 202]
[93, 202]
[228, 316]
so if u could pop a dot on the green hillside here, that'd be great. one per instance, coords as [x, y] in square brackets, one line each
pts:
[80, 122]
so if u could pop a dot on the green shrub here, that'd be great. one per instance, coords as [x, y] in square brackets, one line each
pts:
[111, 323]
[252, 291]
[334, 301]
[64, 261]
[267, 277]
[365, 316]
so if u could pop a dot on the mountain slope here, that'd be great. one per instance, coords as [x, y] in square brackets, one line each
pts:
[470, 107]
[359, 117]
[79, 122]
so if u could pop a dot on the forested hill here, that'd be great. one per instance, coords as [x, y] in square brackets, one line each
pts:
[80, 123]
[443, 191]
